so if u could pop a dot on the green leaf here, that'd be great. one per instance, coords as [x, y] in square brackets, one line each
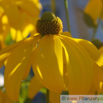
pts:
[102, 27]
[97, 43]
[8, 39]
[65, 93]
[43, 90]
[28, 100]
[23, 92]
[89, 21]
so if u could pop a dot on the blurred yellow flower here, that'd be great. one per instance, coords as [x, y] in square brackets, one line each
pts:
[94, 9]
[4, 28]
[4, 98]
[22, 16]
[59, 62]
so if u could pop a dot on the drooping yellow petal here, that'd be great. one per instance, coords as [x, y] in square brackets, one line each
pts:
[1, 29]
[48, 63]
[1, 11]
[54, 97]
[27, 30]
[4, 30]
[4, 53]
[80, 67]
[34, 87]
[101, 50]
[4, 19]
[10, 9]
[33, 21]
[30, 7]
[98, 77]
[92, 50]
[18, 35]
[93, 90]
[4, 98]
[27, 70]
[2, 44]
[65, 66]
[16, 65]
[66, 34]
[3, 36]
[37, 3]
[3, 57]
[101, 87]
[94, 9]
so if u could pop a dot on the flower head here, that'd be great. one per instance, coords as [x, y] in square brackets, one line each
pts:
[59, 62]
[49, 24]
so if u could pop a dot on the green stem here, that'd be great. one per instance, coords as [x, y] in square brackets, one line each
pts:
[95, 31]
[96, 93]
[99, 21]
[67, 15]
[47, 96]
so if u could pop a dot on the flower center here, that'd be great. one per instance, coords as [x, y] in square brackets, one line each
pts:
[49, 24]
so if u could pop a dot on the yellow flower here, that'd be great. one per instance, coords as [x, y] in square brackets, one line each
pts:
[94, 9]
[21, 16]
[4, 98]
[59, 62]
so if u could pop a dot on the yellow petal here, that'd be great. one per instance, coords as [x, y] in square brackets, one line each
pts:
[18, 35]
[54, 97]
[27, 30]
[4, 98]
[27, 70]
[101, 50]
[91, 7]
[29, 6]
[1, 10]
[34, 87]
[93, 90]
[33, 21]
[92, 50]
[10, 9]
[16, 66]
[3, 35]
[101, 87]
[48, 63]
[98, 77]
[80, 67]
[3, 57]
[65, 66]
[37, 3]
[66, 34]
[4, 53]
[4, 19]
